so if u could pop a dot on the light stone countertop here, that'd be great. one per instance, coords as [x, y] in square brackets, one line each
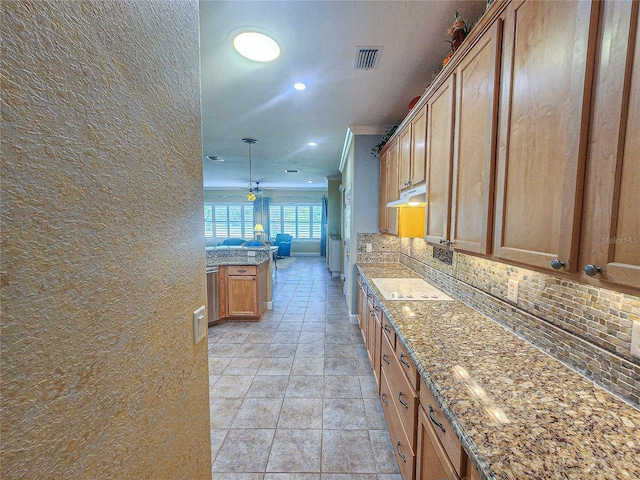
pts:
[560, 424]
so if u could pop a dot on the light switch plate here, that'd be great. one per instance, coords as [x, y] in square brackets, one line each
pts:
[512, 291]
[635, 339]
[199, 325]
[368, 247]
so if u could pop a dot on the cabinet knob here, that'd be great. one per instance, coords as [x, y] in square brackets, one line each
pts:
[592, 270]
[557, 264]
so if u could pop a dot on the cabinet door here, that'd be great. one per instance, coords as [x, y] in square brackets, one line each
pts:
[547, 56]
[418, 147]
[393, 192]
[611, 224]
[404, 158]
[439, 158]
[432, 460]
[383, 211]
[474, 145]
[361, 301]
[243, 296]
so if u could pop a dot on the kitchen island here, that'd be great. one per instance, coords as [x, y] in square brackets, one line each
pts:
[244, 286]
[517, 412]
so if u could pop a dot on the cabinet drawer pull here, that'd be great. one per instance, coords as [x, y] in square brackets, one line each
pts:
[403, 361]
[386, 328]
[242, 270]
[437, 423]
[385, 359]
[404, 404]
[404, 459]
[384, 400]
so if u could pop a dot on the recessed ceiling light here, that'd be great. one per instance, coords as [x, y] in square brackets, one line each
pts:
[289, 170]
[256, 46]
[312, 144]
[309, 181]
[299, 86]
[215, 158]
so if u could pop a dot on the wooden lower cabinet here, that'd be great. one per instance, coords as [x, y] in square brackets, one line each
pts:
[402, 447]
[375, 337]
[433, 463]
[243, 291]
[423, 450]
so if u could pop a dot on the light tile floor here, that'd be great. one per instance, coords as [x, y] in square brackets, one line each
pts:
[293, 396]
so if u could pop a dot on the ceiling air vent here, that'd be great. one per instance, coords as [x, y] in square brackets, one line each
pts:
[367, 58]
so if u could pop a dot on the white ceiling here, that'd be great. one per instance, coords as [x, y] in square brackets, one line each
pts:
[319, 41]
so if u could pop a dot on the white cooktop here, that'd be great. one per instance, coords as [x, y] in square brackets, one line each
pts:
[408, 289]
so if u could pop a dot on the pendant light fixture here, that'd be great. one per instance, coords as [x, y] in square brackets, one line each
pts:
[250, 196]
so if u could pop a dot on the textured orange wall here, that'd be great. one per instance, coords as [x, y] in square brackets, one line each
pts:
[102, 242]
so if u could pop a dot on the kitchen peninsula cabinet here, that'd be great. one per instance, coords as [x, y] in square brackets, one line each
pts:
[243, 291]
[547, 59]
[610, 236]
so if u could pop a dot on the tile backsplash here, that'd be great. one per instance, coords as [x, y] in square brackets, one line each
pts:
[585, 327]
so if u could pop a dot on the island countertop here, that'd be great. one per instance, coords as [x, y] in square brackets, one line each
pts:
[237, 255]
[529, 416]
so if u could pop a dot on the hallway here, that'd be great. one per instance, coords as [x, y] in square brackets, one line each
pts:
[293, 396]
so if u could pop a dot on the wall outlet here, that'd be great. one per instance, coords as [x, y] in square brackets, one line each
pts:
[368, 247]
[635, 339]
[199, 325]
[251, 253]
[512, 291]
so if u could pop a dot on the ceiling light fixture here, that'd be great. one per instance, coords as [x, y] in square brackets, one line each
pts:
[299, 86]
[215, 158]
[256, 46]
[312, 144]
[251, 196]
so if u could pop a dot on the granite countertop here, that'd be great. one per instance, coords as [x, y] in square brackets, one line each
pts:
[237, 255]
[531, 417]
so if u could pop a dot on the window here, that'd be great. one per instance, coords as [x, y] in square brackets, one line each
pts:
[235, 220]
[303, 222]
[231, 220]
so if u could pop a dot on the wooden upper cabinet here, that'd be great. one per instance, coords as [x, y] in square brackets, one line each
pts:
[439, 160]
[610, 237]
[474, 152]
[383, 198]
[404, 158]
[418, 147]
[387, 217]
[547, 60]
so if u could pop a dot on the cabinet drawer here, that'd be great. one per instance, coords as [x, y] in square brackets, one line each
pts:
[389, 331]
[408, 367]
[402, 393]
[443, 430]
[405, 453]
[242, 270]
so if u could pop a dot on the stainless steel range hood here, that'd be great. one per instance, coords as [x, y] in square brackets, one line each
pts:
[416, 197]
